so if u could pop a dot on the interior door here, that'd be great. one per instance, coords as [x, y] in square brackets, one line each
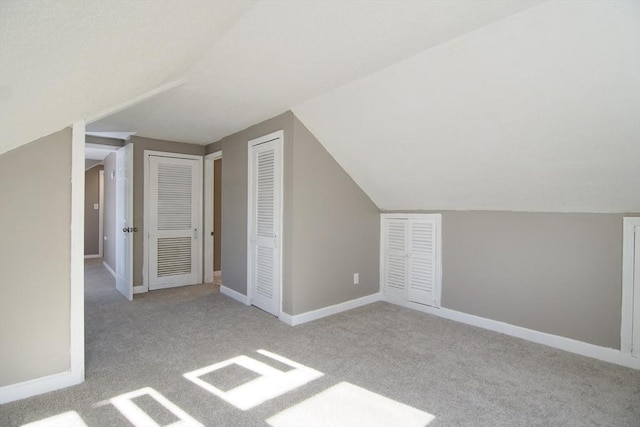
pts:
[265, 188]
[422, 262]
[175, 231]
[124, 221]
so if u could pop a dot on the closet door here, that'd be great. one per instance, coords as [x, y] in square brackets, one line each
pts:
[422, 261]
[265, 195]
[395, 257]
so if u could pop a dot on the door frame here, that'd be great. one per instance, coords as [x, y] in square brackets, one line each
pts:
[147, 218]
[630, 315]
[209, 168]
[277, 135]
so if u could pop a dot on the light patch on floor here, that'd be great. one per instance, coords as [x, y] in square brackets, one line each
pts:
[139, 418]
[67, 419]
[350, 406]
[271, 383]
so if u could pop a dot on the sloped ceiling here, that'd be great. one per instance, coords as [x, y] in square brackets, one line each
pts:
[68, 60]
[537, 112]
[515, 105]
[281, 53]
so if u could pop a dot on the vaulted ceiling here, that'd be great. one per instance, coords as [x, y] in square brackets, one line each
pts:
[518, 105]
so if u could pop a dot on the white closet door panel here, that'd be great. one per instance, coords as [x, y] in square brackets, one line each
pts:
[174, 184]
[422, 261]
[264, 227]
[395, 259]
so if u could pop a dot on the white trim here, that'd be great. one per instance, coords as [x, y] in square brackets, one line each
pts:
[94, 256]
[299, 319]
[567, 344]
[101, 213]
[209, 185]
[244, 299]
[76, 315]
[138, 99]
[630, 228]
[277, 135]
[147, 218]
[13, 392]
[104, 147]
[109, 269]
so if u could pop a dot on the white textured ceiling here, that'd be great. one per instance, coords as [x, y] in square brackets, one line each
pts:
[68, 60]
[515, 105]
[537, 112]
[281, 53]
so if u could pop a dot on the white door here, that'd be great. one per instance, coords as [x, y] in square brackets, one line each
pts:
[422, 262]
[264, 220]
[124, 221]
[174, 229]
[395, 257]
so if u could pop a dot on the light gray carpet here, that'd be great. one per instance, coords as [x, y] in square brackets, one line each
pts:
[462, 375]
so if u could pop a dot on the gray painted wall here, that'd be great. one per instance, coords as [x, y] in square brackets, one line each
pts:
[140, 144]
[234, 203]
[558, 273]
[92, 216]
[109, 219]
[35, 245]
[331, 228]
[336, 230]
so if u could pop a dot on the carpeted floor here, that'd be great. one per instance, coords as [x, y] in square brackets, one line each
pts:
[461, 375]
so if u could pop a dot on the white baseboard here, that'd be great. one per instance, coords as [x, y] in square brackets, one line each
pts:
[140, 289]
[328, 311]
[109, 269]
[92, 256]
[567, 344]
[36, 386]
[235, 295]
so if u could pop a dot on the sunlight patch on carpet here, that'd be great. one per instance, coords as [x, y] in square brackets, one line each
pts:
[67, 419]
[270, 383]
[350, 406]
[139, 418]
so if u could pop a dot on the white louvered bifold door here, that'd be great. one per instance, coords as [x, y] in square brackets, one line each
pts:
[395, 257]
[174, 221]
[422, 262]
[265, 193]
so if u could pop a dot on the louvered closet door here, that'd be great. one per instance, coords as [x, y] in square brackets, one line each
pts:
[395, 259]
[174, 229]
[422, 262]
[265, 193]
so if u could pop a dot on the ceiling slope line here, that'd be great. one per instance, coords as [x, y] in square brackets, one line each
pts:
[137, 100]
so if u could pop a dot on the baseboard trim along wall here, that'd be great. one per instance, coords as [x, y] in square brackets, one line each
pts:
[299, 319]
[234, 294]
[109, 269]
[562, 343]
[37, 386]
[92, 256]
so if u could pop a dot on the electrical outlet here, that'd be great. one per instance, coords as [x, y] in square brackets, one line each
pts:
[356, 278]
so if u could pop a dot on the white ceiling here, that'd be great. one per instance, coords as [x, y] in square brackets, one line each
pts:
[68, 60]
[538, 112]
[516, 105]
[281, 53]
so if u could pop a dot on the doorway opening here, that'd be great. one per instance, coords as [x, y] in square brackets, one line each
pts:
[213, 218]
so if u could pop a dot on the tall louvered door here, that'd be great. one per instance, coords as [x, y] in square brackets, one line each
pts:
[395, 257]
[422, 262]
[264, 212]
[410, 258]
[174, 230]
